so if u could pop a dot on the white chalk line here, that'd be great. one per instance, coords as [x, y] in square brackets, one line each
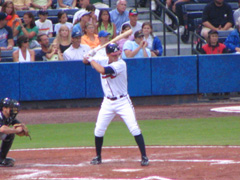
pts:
[35, 173]
[90, 178]
[124, 147]
[30, 173]
[227, 109]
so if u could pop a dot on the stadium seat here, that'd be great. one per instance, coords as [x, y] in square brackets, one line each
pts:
[51, 40]
[194, 11]
[7, 53]
[6, 59]
[21, 13]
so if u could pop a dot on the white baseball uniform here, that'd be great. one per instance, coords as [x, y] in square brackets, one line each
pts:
[116, 99]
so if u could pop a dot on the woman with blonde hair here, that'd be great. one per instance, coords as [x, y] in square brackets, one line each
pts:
[89, 37]
[63, 38]
[23, 54]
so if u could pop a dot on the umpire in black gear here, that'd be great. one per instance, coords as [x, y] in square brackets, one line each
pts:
[9, 109]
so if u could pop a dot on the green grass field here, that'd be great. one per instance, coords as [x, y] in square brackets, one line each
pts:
[208, 131]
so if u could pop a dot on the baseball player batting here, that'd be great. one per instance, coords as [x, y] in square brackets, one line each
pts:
[116, 100]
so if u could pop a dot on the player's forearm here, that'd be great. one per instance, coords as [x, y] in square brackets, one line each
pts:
[7, 130]
[98, 67]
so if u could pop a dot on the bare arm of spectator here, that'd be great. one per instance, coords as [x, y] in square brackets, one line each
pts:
[62, 5]
[74, 3]
[227, 26]
[15, 56]
[10, 44]
[32, 54]
[15, 31]
[209, 25]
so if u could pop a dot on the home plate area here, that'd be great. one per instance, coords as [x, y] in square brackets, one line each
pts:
[123, 163]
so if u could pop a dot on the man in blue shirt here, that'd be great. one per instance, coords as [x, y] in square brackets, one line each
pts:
[6, 34]
[119, 15]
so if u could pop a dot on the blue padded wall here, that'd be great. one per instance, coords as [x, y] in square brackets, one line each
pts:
[139, 76]
[52, 80]
[174, 75]
[9, 81]
[93, 83]
[219, 73]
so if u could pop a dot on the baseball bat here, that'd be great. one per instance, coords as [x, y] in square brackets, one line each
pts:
[120, 36]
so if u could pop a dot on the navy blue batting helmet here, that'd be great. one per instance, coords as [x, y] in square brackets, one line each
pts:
[12, 104]
[112, 47]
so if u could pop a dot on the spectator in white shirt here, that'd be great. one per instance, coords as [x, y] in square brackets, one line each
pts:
[62, 18]
[133, 20]
[44, 25]
[77, 50]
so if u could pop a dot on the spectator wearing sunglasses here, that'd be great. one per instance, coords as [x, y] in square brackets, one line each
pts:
[23, 54]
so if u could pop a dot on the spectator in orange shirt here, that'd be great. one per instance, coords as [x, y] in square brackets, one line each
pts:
[89, 37]
[8, 8]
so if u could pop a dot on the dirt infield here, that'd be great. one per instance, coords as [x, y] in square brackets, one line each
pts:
[166, 162]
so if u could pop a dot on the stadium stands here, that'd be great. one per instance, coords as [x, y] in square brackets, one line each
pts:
[192, 12]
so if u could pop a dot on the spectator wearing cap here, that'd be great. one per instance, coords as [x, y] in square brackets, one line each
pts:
[83, 19]
[89, 37]
[84, 4]
[213, 46]
[133, 20]
[77, 50]
[41, 4]
[103, 37]
[8, 8]
[22, 5]
[137, 48]
[119, 15]
[104, 23]
[6, 34]
[44, 25]
[233, 40]
[66, 4]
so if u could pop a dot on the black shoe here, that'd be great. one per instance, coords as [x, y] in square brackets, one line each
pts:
[8, 162]
[144, 161]
[96, 160]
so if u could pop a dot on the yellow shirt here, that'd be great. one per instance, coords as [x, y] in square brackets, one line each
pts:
[92, 44]
[21, 2]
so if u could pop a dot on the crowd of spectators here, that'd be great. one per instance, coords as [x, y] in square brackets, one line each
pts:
[89, 29]
[89, 21]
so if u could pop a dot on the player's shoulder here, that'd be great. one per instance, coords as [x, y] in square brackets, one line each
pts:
[120, 62]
